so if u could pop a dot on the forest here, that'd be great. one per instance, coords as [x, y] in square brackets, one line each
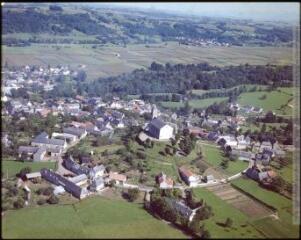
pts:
[181, 78]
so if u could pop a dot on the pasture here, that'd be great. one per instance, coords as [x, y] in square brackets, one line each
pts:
[114, 60]
[213, 156]
[11, 168]
[94, 217]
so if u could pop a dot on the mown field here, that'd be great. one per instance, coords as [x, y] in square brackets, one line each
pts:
[283, 227]
[10, 168]
[94, 217]
[114, 60]
[221, 209]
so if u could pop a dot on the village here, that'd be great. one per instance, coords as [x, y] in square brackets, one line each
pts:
[92, 116]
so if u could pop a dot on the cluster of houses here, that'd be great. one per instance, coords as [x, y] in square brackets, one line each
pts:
[44, 147]
[85, 181]
[201, 42]
[33, 77]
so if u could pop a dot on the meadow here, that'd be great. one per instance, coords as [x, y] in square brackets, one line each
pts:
[273, 101]
[113, 60]
[11, 168]
[94, 217]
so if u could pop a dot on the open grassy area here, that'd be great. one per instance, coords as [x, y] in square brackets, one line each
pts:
[214, 157]
[13, 167]
[222, 210]
[103, 61]
[91, 218]
[273, 101]
[194, 103]
[284, 226]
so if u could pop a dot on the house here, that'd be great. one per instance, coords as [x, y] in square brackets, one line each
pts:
[68, 185]
[74, 167]
[27, 152]
[263, 158]
[43, 140]
[160, 130]
[226, 140]
[180, 207]
[265, 145]
[164, 182]
[79, 132]
[97, 184]
[69, 138]
[196, 131]
[79, 179]
[118, 178]
[188, 177]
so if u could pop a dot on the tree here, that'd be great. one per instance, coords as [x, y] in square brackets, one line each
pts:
[173, 141]
[41, 201]
[167, 150]
[133, 194]
[228, 222]
[23, 172]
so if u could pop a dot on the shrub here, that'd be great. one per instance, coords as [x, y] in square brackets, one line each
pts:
[53, 199]
[41, 201]
[19, 203]
[133, 194]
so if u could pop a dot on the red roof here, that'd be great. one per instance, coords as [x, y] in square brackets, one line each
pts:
[186, 171]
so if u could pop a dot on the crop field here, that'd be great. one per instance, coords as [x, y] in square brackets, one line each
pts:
[113, 60]
[11, 168]
[273, 101]
[283, 226]
[90, 218]
[221, 209]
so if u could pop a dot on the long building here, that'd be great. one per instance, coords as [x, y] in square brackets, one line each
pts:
[68, 185]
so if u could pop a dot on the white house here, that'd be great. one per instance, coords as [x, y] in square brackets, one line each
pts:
[160, 130]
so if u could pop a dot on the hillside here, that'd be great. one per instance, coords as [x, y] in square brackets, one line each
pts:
[111, 26]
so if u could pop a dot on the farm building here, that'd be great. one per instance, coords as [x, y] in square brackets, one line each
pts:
[160, 130]
[73, 166]
[188, 177]
[42, 140]
[118, 178]
[79, 179]
[68, 185]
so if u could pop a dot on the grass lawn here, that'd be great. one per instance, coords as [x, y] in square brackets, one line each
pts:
[94, 217]
[214, 157]
[282, 204]
[13, 167]
[274, 100]
[195, 103]
[222, 210]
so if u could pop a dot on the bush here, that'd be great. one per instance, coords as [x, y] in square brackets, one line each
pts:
[133, 194]
[53, 199]
[41, 201]
[19, 203]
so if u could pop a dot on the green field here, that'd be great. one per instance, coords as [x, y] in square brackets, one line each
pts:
[195, 103]
[284, 226]
[273, 102]
[103, 61]
[91, 218]
[222, 210]
[13, 167]
[213, 156]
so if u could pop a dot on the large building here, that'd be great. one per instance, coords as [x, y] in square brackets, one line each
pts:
[68, 185]
[160, 130]
[188, 177]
